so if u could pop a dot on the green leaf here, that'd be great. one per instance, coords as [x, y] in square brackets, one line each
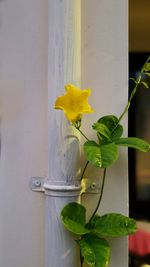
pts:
[145, 84]
[101, 156]
[87, 252]
[110, 121]
[113, 224]
[146, 67]
[93, 153]
[132, 79]
[134, 142]
[147, 73]
[102, 130]
[109, 154]
[73, 218]
[117, 133]
[95, 250]
[113, 125]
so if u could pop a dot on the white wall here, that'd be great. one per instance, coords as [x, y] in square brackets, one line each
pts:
[23, 112]
[105, 71]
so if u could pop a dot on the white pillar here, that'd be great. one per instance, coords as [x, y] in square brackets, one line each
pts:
[62, 185]
[105, 71]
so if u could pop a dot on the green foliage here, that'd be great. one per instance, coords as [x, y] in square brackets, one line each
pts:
[117, 132]
[93, 153]
[132, 79]
[87, 252]
[113, 224]
[99, 155]
[135, 143]
[109, 133]
[73, 218]
[146, 67]
[109, 153]
[95, 250]
[147, 73]
[145, 84]
[102, 131]
[112, 123]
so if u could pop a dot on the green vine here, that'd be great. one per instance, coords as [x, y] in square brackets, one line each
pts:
[102, 153]
[100, 196]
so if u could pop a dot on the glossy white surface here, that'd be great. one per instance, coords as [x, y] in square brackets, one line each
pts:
[105, 71]
[61, 249]
[62, 185]
[63, 68]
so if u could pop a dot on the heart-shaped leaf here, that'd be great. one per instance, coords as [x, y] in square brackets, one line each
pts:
[95, 250]
[73, 218]
[87, 252]
[113, 224]
[109, 154]
[110, 121]
[101, 156]
[113, 125]
[93, 153]
[117, 133]
[134, 142]
[102, 131]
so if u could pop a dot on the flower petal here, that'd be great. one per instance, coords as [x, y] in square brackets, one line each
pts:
[74, 103]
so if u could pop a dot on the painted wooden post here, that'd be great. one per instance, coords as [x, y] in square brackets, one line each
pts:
[62, 185]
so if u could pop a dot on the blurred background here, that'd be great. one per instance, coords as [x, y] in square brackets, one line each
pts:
[139, 126]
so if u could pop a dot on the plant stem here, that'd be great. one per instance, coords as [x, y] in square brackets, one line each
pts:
[100, 197]
[84, 170]
[134, 91]
[77, 125]
[82, 134]
[137, 81]
[81, 259]
[129, 102]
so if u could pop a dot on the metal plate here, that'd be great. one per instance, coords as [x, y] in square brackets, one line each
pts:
[36, 184]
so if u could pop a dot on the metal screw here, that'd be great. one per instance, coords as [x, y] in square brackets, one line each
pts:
[37, 183]
[93, 186]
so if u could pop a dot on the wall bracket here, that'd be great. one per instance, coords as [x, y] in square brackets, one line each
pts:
[88, 186]
[36, 184]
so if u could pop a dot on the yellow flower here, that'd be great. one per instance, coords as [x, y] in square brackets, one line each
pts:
[74, 103]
